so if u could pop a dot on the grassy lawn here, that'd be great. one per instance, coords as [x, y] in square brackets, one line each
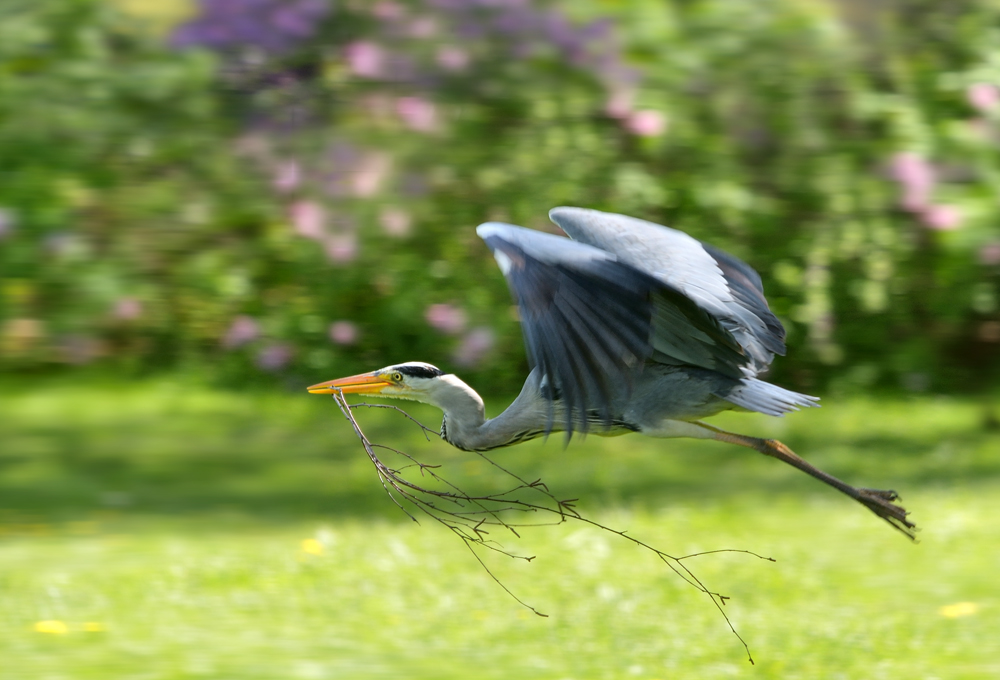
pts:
[164, 530]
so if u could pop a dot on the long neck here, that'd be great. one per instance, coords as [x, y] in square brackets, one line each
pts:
[465, 425]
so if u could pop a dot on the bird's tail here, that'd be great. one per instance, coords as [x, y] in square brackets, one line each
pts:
[763, 397]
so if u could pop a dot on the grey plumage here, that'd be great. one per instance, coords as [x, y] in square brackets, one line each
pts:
[606, 314]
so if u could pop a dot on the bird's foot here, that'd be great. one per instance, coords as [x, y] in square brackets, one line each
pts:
[882, 503]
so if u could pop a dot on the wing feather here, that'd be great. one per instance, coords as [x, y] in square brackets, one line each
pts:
[588, 320]
[721, 285]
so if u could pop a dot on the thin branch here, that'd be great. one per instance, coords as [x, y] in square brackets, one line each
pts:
[469, 517]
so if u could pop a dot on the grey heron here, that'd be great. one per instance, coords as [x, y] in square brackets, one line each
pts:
[630, 326]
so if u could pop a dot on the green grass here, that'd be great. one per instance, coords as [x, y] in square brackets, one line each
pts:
[174, 517]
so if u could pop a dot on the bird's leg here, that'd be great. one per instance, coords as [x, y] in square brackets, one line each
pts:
[878, 501]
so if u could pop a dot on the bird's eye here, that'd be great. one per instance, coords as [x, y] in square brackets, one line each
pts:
[398, 377]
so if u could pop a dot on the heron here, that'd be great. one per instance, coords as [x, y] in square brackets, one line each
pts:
[630, 327]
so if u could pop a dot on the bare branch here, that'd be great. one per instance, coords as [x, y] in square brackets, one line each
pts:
[475, 514]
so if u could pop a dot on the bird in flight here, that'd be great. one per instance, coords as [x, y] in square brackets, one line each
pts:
[630, 326]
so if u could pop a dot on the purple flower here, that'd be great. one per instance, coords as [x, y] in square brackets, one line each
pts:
[244, 329]
[984, 97]
[343, 333]
[365, 59]
[308, 218]
[127, 309]
[917, 178]
[941, 217]
[474, 347]
[417, 113]
[395, 222]
[271, 25]
[274, 357]
[597, 30]
[445, 318]
[646, 123]
[291, 23]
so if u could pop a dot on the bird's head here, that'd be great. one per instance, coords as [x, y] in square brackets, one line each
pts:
[412, 380]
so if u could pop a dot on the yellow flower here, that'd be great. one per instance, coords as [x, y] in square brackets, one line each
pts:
[93, 627]
[55, 627]
[312, 546]
[953, 611]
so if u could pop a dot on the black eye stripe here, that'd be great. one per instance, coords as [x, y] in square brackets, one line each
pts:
[420, 371]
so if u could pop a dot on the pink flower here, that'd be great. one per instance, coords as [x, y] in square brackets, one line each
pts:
[385, 9]
[244, 329]
[989, 254]
[341, 248]
[369, 173]
[474, 347]
[941, 217]
[343, 333]
[6, 222]
[452, 58]
[395, 222]
[445, 318]
[983, 96]
[365, 59]
[980, 128]
[127, 309]
[308, 218]
[254, 145]
[917, 178]
[287, 176]
[619, 104]
[274, 357]
[423, 27]
[646, 123]
[417, 113]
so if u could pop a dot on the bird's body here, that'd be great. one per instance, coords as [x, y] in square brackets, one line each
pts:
[631, 327]
[660, 404]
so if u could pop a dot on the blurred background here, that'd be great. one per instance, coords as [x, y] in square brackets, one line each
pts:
[206, 205]
[287, 189]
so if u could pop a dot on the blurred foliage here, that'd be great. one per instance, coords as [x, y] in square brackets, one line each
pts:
[291, 186]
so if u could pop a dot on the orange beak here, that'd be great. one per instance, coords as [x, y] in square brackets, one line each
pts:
[365, 383]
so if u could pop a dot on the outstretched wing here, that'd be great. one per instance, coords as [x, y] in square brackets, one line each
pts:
[588, 319]
[724, 286]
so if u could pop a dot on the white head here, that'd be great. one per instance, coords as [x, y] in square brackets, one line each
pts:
[465, 423]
